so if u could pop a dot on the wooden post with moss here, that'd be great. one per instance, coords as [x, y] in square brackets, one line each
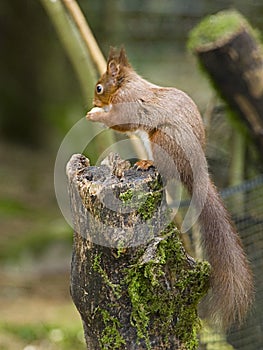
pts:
[229, 51]
[131, 279]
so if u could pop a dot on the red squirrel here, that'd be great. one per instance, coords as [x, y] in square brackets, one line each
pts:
[172, 131]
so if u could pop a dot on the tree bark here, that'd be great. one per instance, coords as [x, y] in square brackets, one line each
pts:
[131, 279]
[234, 62]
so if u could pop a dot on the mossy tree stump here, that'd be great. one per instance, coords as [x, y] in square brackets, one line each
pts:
[131, 279]
[229, 51]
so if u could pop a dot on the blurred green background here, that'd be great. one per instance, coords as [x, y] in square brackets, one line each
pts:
[40, 100]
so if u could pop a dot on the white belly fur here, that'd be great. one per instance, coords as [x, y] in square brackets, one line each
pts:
[143, 135]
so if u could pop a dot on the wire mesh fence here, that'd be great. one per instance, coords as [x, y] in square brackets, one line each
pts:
[245, 202]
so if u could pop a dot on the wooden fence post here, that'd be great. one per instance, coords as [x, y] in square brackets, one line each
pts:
[228, 50]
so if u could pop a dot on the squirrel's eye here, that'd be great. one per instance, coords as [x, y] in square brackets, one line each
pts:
[99, 89]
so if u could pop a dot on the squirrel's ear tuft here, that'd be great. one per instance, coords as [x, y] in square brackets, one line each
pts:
[123, 60]
[112, 54]
[113, 62]
[113, 68]
[116, 61]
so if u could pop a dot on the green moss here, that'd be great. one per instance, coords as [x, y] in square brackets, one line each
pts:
[157, 310]
[216, 27]
[153, 302]
[150, 204]
[127, 196]
[121, 248]
[116, 288]
[146, 203]
[111, 337]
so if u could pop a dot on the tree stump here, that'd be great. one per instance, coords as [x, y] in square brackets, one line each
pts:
[228, 50]
[131, 279]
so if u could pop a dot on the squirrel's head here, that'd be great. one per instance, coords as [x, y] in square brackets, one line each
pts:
[112, 79]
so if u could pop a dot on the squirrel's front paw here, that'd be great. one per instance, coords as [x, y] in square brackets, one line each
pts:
[95, 113]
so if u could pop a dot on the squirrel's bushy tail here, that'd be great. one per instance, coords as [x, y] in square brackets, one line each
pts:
[231, 279]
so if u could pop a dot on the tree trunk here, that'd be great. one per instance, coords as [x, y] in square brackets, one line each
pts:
[234, 61]
[131, 280]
